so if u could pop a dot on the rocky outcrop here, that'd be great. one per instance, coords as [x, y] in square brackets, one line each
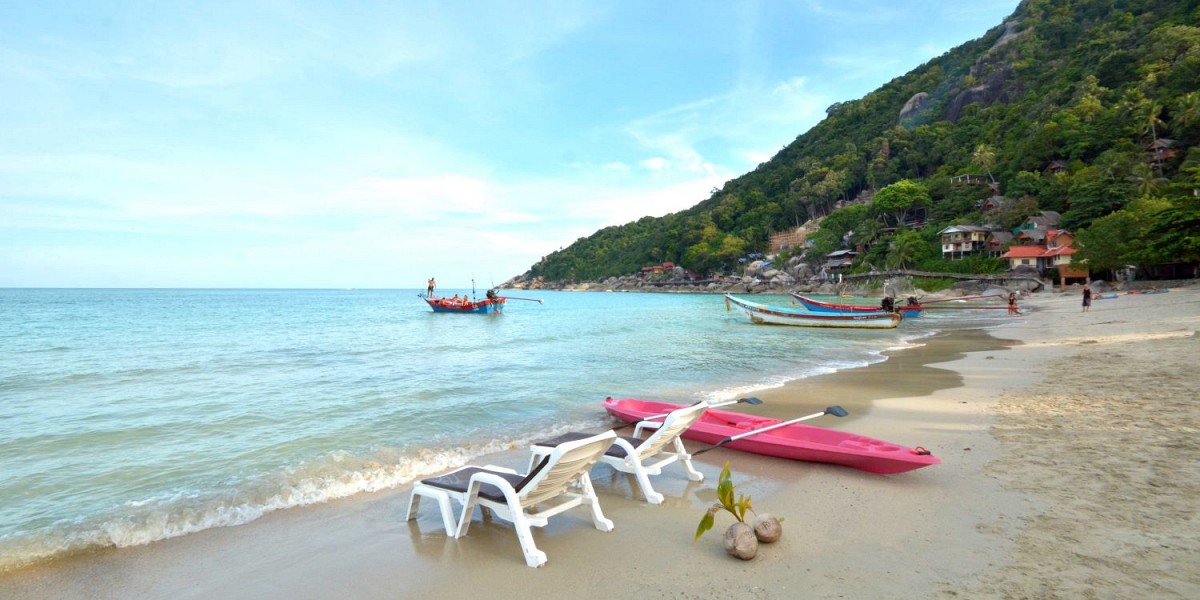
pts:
[914, 108]
[993, 74]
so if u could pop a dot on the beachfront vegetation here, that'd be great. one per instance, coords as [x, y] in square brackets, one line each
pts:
[1086, 108]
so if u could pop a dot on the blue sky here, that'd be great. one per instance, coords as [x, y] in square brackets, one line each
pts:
[373, 145]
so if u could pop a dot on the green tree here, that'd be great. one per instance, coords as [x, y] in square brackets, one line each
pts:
[1174, 232]
[1122, 238]
[907, 248]
[901, 197]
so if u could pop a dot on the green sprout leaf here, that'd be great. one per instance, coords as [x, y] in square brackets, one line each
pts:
[706, 523]
[735, 504]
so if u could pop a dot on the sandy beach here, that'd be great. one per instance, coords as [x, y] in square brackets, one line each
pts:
[1071, 469]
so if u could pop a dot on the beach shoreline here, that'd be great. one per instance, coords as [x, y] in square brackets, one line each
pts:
[982, 524]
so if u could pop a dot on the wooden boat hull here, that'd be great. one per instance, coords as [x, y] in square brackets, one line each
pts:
[908, 311]
[775, 315]
[794, 442]
[482, 307]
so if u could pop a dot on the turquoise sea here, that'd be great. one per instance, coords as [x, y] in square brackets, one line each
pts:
[129, 416]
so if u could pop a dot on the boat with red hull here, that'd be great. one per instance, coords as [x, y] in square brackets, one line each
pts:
[796, 441]
[463, 305]
[909, 311]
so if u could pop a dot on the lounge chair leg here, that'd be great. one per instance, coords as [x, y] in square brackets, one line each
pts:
[686, 459]
[414, 503]
[448, 520]
[643, 478]
[464, 521]
[533, 556]
[444, 507]
[589, 493]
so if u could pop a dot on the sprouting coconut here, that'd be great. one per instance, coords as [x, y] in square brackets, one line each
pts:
[767, 528]
[740, 541]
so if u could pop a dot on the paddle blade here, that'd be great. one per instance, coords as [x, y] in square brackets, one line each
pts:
[836, 411]
[751, 400]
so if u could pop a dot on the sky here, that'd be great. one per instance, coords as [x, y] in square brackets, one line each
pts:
[314, 144]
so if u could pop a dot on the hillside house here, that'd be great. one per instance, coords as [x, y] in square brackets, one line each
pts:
[1055, 253]
[655, 269]
[960, 240]
[1033, 231]
[838, 261]
[998, 242]
[993, 204]
[1160, 151]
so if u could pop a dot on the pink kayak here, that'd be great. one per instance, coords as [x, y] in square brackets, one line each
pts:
[795, 441]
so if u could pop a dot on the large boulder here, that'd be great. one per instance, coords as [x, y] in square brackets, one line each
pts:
[755, 268]
[782, 279]
[914, 108]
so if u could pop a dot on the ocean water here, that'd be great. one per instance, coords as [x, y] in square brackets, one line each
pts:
[129, 416]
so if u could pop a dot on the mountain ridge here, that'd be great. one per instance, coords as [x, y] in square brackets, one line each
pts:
[1054, 109]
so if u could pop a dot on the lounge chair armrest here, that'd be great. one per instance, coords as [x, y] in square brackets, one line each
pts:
[630, 451]
[505, 486]
[644, 425]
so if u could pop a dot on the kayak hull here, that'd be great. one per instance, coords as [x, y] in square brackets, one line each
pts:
[793, 442]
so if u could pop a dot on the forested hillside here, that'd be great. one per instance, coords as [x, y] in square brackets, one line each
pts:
[1089, 108]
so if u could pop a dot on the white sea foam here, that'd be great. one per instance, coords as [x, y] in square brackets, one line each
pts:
[147, 520]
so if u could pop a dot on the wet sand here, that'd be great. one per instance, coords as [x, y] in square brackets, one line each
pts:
[1070, 469]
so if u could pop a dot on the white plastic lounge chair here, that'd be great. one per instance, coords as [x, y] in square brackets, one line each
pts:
[560, 476]
[645, 457]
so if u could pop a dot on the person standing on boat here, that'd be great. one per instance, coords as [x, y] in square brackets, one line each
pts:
[1087, 297]
[429, 290]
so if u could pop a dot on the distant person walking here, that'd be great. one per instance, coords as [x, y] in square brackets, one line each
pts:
[429, 290]
[1012, 304]
[1087, 297]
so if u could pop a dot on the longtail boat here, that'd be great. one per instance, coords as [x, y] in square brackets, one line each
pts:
[778, 315]
[908, 311]
[464, 305]
[795, 442]
[960, 303]
[493, 302]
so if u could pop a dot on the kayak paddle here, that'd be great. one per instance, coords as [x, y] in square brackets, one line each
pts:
[836, 411]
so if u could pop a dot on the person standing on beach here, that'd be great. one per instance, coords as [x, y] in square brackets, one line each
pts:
[1087, 297]
[1012, 304]
[429, 290]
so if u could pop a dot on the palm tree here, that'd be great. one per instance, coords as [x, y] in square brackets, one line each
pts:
[907, 245]
[1187, 110]
[1145, 178]
[985, 157]
[1152, 122]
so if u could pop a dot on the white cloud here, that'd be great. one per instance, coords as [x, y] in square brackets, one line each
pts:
[656, 164]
